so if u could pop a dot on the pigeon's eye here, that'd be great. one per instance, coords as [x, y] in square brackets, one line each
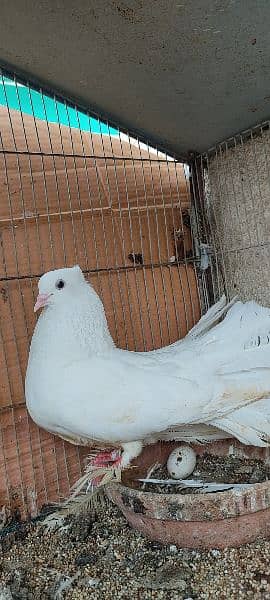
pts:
[60, 284]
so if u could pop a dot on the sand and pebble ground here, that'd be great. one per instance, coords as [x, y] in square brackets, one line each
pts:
[103, 558]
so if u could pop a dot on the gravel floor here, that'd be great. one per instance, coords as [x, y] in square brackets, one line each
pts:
[105, 558]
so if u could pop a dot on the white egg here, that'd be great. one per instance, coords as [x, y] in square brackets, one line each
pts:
[181, 462]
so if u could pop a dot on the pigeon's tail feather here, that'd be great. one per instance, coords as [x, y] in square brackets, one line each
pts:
[250, 424]
[198, 433]
[212, 317]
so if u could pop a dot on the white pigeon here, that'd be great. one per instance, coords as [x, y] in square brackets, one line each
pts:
[213, 384]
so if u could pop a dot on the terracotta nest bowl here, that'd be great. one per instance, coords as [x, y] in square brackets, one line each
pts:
[212, 520]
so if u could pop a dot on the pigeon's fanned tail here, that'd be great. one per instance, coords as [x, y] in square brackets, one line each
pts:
[211, 317]
[250, 424]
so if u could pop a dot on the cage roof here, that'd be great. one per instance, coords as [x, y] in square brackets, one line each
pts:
[183, 75]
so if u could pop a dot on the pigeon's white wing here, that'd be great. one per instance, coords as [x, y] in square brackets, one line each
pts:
[219, 376]
[109, 399]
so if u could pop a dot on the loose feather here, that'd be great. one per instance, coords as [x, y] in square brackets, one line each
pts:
[199, 484]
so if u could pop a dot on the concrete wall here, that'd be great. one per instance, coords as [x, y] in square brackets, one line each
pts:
[238, 206]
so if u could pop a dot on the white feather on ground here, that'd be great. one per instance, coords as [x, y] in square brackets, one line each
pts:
[212, 384]
[204, 487]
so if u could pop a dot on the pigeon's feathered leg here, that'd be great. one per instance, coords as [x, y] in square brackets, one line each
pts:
[109, 462]
[130, 451]
[116, 458]
[87, 492]
[105, 461]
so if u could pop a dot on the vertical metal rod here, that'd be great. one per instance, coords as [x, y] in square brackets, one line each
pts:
[78, 191]
[151, 247]
[56, 181]
[122, 231]
[197, 176]
[105, 242]
[166, 232]
[156, 218]
[228, 177]
[174, 237]
[244, 147]
[258, 182]
[90, 193]
[10, 305]
[159, 251]
[196, 232]
[214, 234]
[43, 170]
[66, 173]
[220, 161]
[142, 249]
[54, 260]
[28, 249]
[110, 198]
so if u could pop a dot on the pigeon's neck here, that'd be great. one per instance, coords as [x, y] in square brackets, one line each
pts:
[73, 332]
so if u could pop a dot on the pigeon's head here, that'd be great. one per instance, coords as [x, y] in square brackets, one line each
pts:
[57, 286]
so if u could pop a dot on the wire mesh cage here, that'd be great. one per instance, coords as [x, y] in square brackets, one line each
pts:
[77, 190]
[232, 198]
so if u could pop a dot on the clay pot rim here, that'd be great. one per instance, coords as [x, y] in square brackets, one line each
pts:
[263, 485]
[233, 503]
[212, 520]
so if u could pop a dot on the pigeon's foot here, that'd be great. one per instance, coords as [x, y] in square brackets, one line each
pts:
[101, 469]
[117, 459]
[105, 459]
[105, 467]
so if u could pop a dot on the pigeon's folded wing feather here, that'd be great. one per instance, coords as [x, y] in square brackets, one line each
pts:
[219, 376]
[109, 399]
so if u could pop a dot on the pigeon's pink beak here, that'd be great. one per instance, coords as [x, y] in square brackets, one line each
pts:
[42, 300]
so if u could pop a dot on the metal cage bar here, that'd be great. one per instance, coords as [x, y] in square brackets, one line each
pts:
[231, 198]
[76, 189]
